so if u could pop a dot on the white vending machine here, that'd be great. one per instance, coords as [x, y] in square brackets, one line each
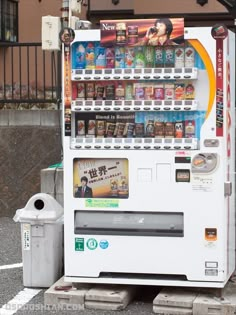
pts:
[149, 154]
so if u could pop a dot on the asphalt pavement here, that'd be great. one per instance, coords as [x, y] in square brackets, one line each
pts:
[11, 281]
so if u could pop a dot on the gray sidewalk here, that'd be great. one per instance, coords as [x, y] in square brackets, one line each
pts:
[142, 303]
[12, 282]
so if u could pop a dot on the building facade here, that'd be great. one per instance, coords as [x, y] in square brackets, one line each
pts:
[20, 20]
[27, 71]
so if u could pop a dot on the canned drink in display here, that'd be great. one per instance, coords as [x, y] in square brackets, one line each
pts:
[159, 92]
[110, 92]
[100, 128]
[169, 59]
[139, 130]
[132, 34]
[110, 57]
[189, 129]
[129, 91]
[90, 91]
[148, 92]
[81, 90]
[81, 128]
[169, 130]
[129, 130]
[119, 130]
[99, 92]
[119, 57]
[129, 57]
[80, 56]
[159, 129]
[91, 128]
[139, 93]
[120, 91]
[110, 129]
[158, 57]
[189, 92]
[189, 57]
[90, 56]
[169, 92]
[179, 129]
[149, 56]
[100, 57]
[179, 57]
[179, 91]
[150, 129]
[74, 91]
[139, 58]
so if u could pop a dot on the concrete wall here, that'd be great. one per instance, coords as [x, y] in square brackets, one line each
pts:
[29, 141]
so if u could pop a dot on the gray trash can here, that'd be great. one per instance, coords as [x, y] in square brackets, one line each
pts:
[42, 240]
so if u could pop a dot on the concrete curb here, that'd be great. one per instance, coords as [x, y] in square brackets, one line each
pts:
[90, 296]
[71, 297]
[175, 301]
[43, 118]
[109, 297]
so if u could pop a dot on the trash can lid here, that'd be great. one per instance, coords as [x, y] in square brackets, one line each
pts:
[40, 207]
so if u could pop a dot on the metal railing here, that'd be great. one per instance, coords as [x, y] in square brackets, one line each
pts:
[29, 75]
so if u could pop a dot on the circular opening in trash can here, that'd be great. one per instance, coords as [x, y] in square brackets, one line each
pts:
[39, 204]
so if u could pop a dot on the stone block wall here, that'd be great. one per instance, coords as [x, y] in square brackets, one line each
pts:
[52, 183]
[29, 142]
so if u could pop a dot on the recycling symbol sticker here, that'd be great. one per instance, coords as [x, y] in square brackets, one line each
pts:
[92, 243]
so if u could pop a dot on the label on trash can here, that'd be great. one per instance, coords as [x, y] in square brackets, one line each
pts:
[26, 236]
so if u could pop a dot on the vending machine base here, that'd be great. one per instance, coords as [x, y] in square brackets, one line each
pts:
[149, 281]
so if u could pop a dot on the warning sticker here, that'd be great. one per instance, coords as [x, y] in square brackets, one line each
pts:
[26, 236]
[202, 183]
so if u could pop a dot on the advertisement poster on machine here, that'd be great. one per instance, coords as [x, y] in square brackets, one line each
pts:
[101, 178]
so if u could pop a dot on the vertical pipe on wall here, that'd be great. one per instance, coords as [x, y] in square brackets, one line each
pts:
[59, 76]
[36, 71]
[44, 76]
[20, 82]
[4, 71]
[28, 71]
[52, 73]
[12, 74]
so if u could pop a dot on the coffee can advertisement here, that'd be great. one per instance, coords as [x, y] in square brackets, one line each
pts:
[100, 178]
[142, 32]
